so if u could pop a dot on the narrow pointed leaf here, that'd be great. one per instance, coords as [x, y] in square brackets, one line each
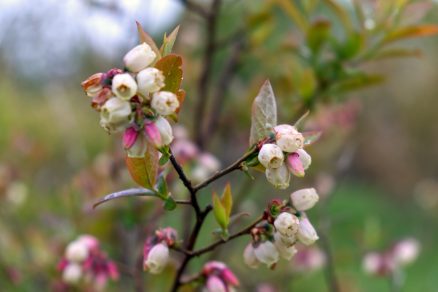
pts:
[162, 186]
[144, 37]
[135, 192]
[227, 199]
[264, 114]
[168, 42]
[301, 119]
[411, 32]
[169, 204]
[219, 212]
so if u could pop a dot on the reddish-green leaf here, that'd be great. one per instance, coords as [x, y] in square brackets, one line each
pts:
[311, 137]
[144, 170]
[168, 42]
[144, 37]
[170, 65]
[411, 32]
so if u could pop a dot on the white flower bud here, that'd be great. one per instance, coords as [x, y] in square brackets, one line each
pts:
[285, 251]
[271, 156]
[150, 80]
[306, 232]
[287, 224]
[304, 199]
[115, 115]
[288, 138]
[124, 86]
[165, 131]
[279, 177]
[305, 158]
[406, 251]
[286, 240]
[76, 251]
[267, 253]
[249, 257]
[164, 103]
[72, 274]
[157, 259]
[139, 57]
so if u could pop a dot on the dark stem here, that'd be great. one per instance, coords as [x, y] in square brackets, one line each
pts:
[195, 8]
[204, 80]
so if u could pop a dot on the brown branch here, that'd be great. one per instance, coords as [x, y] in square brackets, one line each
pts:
[204, 80]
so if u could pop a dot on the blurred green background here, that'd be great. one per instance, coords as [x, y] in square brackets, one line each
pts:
[55, 160]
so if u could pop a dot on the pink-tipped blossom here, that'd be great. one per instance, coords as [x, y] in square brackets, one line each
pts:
[215, 284]
[288, 138]
[306, 232]
[219, 277]
[271, 156]
[157, 258]
[93, 84]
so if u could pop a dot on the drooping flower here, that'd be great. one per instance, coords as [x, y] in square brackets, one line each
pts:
[271, 156]
[150, 80]
[157, 258]
[304, 199]
[124, 86]
[306, 232]
[115, 115]
[93, 84]
[164, 103]
[219, 277]
[139, 57]
[249, 256]
[279, 177]
[288, 138]
[286, 251]
[72, 273]
[76, 251]
[267, 253]
[287, 224]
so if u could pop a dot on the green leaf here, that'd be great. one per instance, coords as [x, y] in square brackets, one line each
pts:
[168, 42]
[318, 35]
[170, 65]
[135, 192]
[144, 37]
[144, 170]
[356, 81]
[169, 204]
[220, 213]
[411, 32]
[293, 13]
[264, 114]
[397, 53]
[162, 186]
[227, 199]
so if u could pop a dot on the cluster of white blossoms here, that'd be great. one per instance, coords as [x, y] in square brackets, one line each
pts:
[290, 226]
[133, 101]
[285, 156]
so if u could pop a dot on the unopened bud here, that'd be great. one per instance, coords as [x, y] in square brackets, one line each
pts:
[288, 138]
[115, 115]
[287, 224]
[72, 273]
[285, 251]
[139, 57]
[271, 156]
[306, 232]
[279, 177]
[157, 259]
[76, 251]
[304, 199]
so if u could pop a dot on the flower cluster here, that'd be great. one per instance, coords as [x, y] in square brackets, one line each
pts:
[286, 225]
[132, 101]
[285, 156]
[156, 250]
[85, 262]
[397, 256]
[308, 259]
[219, 278]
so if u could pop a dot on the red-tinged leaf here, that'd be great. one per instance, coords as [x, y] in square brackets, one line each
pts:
[168, 42]
[144, 170]
[170, 65]
[311, 137]
[144, 37]
[181, 95]
[264, 114]
[411, 32]
[227, 199]
[397, 53]
[135, 192]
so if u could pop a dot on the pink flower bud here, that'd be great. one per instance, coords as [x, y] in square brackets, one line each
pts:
[306, 232]
[271, 156]
[267, 253]
[129, 137]
[153, 134]
[215, 284]
[304, 199]
[90, 241]
[372, 263]
[72, 274]
[139, 57]
[287, 224]
[150, 80]
[288, 138]
[124, 86]
[164, 103]
[279, 177]
[228, 276]
[138, 149]
[295, 165]
[93, 84]
[157, 259]
[99, 100]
